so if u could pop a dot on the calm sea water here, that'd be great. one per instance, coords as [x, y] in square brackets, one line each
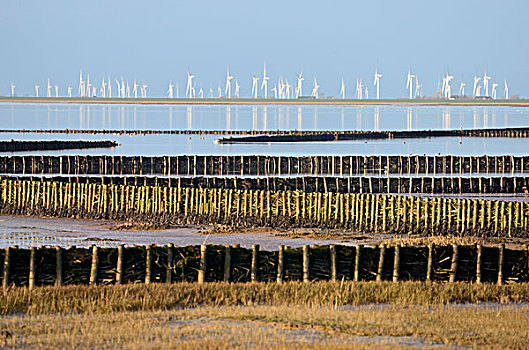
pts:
[117, 117]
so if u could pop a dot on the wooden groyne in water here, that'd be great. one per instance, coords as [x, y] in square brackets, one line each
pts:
[19, 146]
[355, 184]
[249, 208]
[168, 264]
[297, 135]
[262, 165]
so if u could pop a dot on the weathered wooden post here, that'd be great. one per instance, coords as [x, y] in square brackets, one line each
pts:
[455, 260]
[280, 263]
[32, 257]
[119, 265]
[255, 259]
[332, 253]
[306, 263]
[58, 266]
[501, 260]
[95, 264]
[358, 257]
[396, 264]
[170, 256]
[479, 261]
[203, 262]
[380, 269]
[429, 268]
[227, 263]
[148, 264]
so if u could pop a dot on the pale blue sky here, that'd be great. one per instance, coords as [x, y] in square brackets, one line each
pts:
[154, 41]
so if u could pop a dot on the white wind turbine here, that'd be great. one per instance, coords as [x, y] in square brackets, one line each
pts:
[486, 79]
[176, 90]
[315, 92]
[170, 90]
[475, 92]
[342, 90]
[288, 89]
[69, 91]
[123, 86]
[88, 86]
[144, 91]
[448, 87]
[229, 77]
[264, 85]
[506, 89]
[274, 90]
[418, 87]
[366, 92]
[409, 83]
[237, 88]
[189, 87]
[103, 90]
[128, 89]
[462, 89]
[81, 84]
[109, 87]
[56, 91]
[12, 89]
[254, 86]
[377, 82]
[37, 91]
[201, 93]
[135, 89]
[94, 91]
[119, 88]
[219, 92]
[299, 88]
[359, 89]
[49, 89]
[494, 86]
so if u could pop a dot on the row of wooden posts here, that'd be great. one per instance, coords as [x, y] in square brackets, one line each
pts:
[262, 165]
[358, 212]
[388, 184]
[228, 266]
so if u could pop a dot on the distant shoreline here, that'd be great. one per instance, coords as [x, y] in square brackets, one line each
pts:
[251, 101]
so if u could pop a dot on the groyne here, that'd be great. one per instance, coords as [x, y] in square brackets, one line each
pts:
[20, 146]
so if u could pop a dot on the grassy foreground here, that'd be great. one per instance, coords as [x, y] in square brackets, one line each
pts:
[290, 315]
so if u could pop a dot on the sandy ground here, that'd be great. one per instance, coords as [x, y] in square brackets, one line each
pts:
[33, 231]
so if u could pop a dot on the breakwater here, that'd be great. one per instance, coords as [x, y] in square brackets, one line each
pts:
[167, 264]
[249, 208]
[262, 165]
[19, 146]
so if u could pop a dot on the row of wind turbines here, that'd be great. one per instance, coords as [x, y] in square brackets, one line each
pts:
[281, 89]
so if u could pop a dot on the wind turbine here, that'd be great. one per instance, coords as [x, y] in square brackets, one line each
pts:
[69, 91]
[144, 91]
[88, 86]
[170, 90]
[12, 89]
[418, 87]
[288, 89]
[486, 79]
[56, 91]
[377, 82]
[494, 86]
[254, 86]
[274, 89]
[366, 92]
[462, 89]
[237, 88]
[229, 77]
[109, 87]
[359, 89]
[103, 90]
[189, 87]
[448, 87]
[201, 93]
[409, 83]
[128, 89]
[342, 90]
[119, 88]
[476, 82]
[315, 93]
[94, 91]
[264, 85]
[299, 89]
[219, 91]
[122, 88]
[81, 84]
[37, 91]
[506, 90]
[49, 89]
[176, 90]
[135, 89]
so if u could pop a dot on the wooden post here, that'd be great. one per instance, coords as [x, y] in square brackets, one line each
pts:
[332, 253]
[255, 259]
[7, 267]
[169, 271]
[32, 257]
[306, 263]
[148, 264]
[203, 262]
[58, 266]
[380, 270]
[95, 263]
[455, 260]
[119, 265]
[429, 268]
[479, 261]
[280, 263]
[501, 259]
[227, 264]
[396, 264]
[358, 256]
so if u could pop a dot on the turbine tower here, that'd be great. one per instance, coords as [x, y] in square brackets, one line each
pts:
[299, 88]
[48, 94]
[37, 91]
[103, 90]
[229, 77]
[264, 85]
[254, 86]
[486, 79]
[237, 88]
[189, 87]
[170, 90]
[418, 87]
[69, 91]
[506, 89]
[12, 89]
[135, 89]
[462, 89]
[56, 91]
[119, 88]
[448, 87]
[475, 92]
[409, 83]
[377, 82]
[494, 86]
[81, 84]
[315, 92]
[109, 87]
[342, 90]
